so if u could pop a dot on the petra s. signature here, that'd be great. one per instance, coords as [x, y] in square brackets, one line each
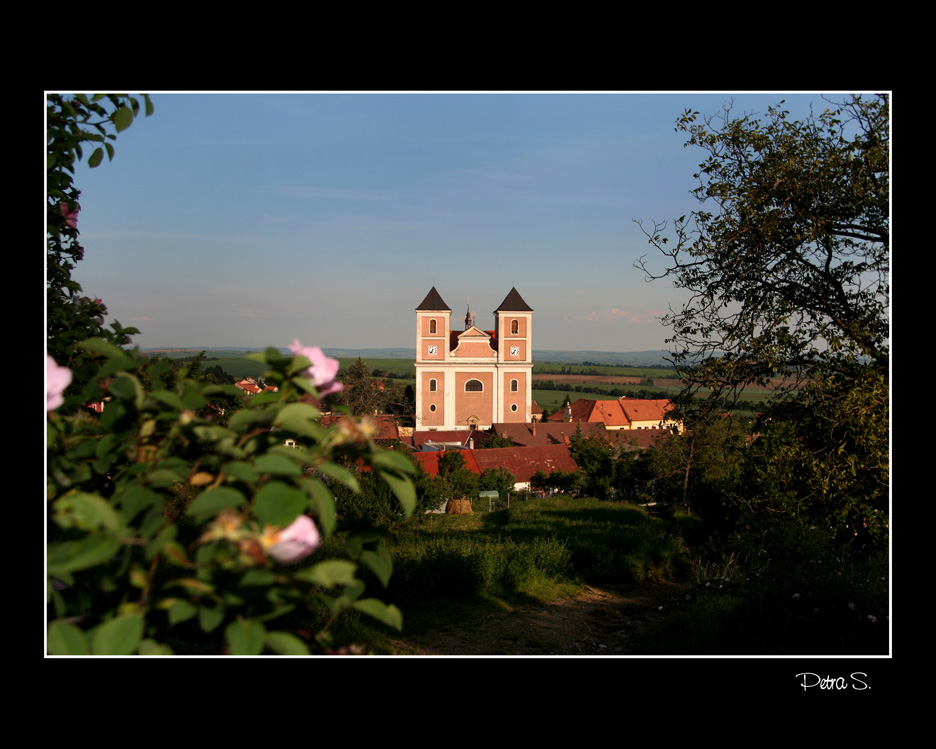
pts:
[854, 680]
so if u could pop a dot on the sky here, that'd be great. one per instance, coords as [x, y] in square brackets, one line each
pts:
[253, 219]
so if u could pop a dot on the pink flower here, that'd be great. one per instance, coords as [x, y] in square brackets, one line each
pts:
[323, 370]
[70, 216]
[296, 541]
[57, 379]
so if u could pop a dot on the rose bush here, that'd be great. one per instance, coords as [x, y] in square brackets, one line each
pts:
[170, 529]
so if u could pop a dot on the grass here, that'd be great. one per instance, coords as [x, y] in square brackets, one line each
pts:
[541, 549]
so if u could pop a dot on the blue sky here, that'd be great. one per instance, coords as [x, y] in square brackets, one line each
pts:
[253, 219]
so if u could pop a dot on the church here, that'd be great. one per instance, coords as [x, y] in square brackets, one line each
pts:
[473, 378]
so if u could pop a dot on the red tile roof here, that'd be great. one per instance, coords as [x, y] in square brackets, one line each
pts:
[430, 461]
[640, 409]
[523, 462]
[546, 432]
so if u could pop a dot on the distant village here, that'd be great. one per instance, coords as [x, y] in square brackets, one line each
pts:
[474, 395]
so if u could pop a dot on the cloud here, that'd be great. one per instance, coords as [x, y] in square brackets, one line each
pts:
[253, 313]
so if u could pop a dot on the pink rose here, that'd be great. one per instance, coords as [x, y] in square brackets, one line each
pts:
[57, 379]
[70, 216]
[296, 541]
[323, 370]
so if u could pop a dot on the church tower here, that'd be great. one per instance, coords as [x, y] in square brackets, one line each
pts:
[473, 378]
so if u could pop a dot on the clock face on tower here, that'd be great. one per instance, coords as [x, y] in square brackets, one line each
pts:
[433, 350]
[515, 351]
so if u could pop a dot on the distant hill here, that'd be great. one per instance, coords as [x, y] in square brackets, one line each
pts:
[632, 358]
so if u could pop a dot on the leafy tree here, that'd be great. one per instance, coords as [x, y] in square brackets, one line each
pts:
[360, 394]
[595, 458]
[72, 124]
[788, 264]
[787, 268]
[454, 474]
[499, 480]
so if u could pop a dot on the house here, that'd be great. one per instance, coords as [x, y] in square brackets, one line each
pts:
[524, 462]
[622, 413]
[539, 433]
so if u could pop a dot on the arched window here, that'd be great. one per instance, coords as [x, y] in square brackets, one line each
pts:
[432, 386]
[474, 386]
[432, 327]
[514, 386]
[515, 326]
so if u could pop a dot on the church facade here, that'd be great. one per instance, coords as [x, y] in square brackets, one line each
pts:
[473, 378]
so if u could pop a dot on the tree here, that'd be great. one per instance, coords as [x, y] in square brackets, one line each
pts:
[498, 479]
[787, 271]
[72, 123]
[788, 265]
[594, 457]
[361, 393]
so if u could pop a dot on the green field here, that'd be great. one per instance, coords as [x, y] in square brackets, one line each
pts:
[547, 368]
[236, 365]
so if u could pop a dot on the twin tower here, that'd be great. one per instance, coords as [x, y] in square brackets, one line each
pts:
[473, 378]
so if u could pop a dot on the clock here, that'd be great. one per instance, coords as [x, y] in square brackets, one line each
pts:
[433, 350]
[515, 351]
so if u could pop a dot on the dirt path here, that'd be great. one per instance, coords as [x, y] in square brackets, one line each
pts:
[600, 622]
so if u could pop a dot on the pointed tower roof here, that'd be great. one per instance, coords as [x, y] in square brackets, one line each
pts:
[514, 303]
[433, 301]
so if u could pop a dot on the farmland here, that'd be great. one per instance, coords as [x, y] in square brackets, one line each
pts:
[552, 381]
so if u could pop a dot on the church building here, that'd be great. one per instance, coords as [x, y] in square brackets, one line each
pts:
[473, 378]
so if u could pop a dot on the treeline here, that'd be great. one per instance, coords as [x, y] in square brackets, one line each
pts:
[617, 392]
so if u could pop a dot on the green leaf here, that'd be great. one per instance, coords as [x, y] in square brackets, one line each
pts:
[285, 643]
[403, 489]
[101, 347]
[278, 504]
[329, 573]
[66, 639]
[389, 615]
[87, 512]
[277, 465]
[209, 618]
[245, 637]
[379, 563]
[209, 503]
[241, 471]
[122, 118]
[181, 611]
[70, 556]
[127, 387]
[324, 504]
[300, 419]
[120, 636]
[96, 158]
[341, 474]
[151, 647]
[393, 461]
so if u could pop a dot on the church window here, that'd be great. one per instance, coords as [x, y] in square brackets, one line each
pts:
[515, 326]
[432, 386]
[513, 386]
[473, 386]
[432, 327]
